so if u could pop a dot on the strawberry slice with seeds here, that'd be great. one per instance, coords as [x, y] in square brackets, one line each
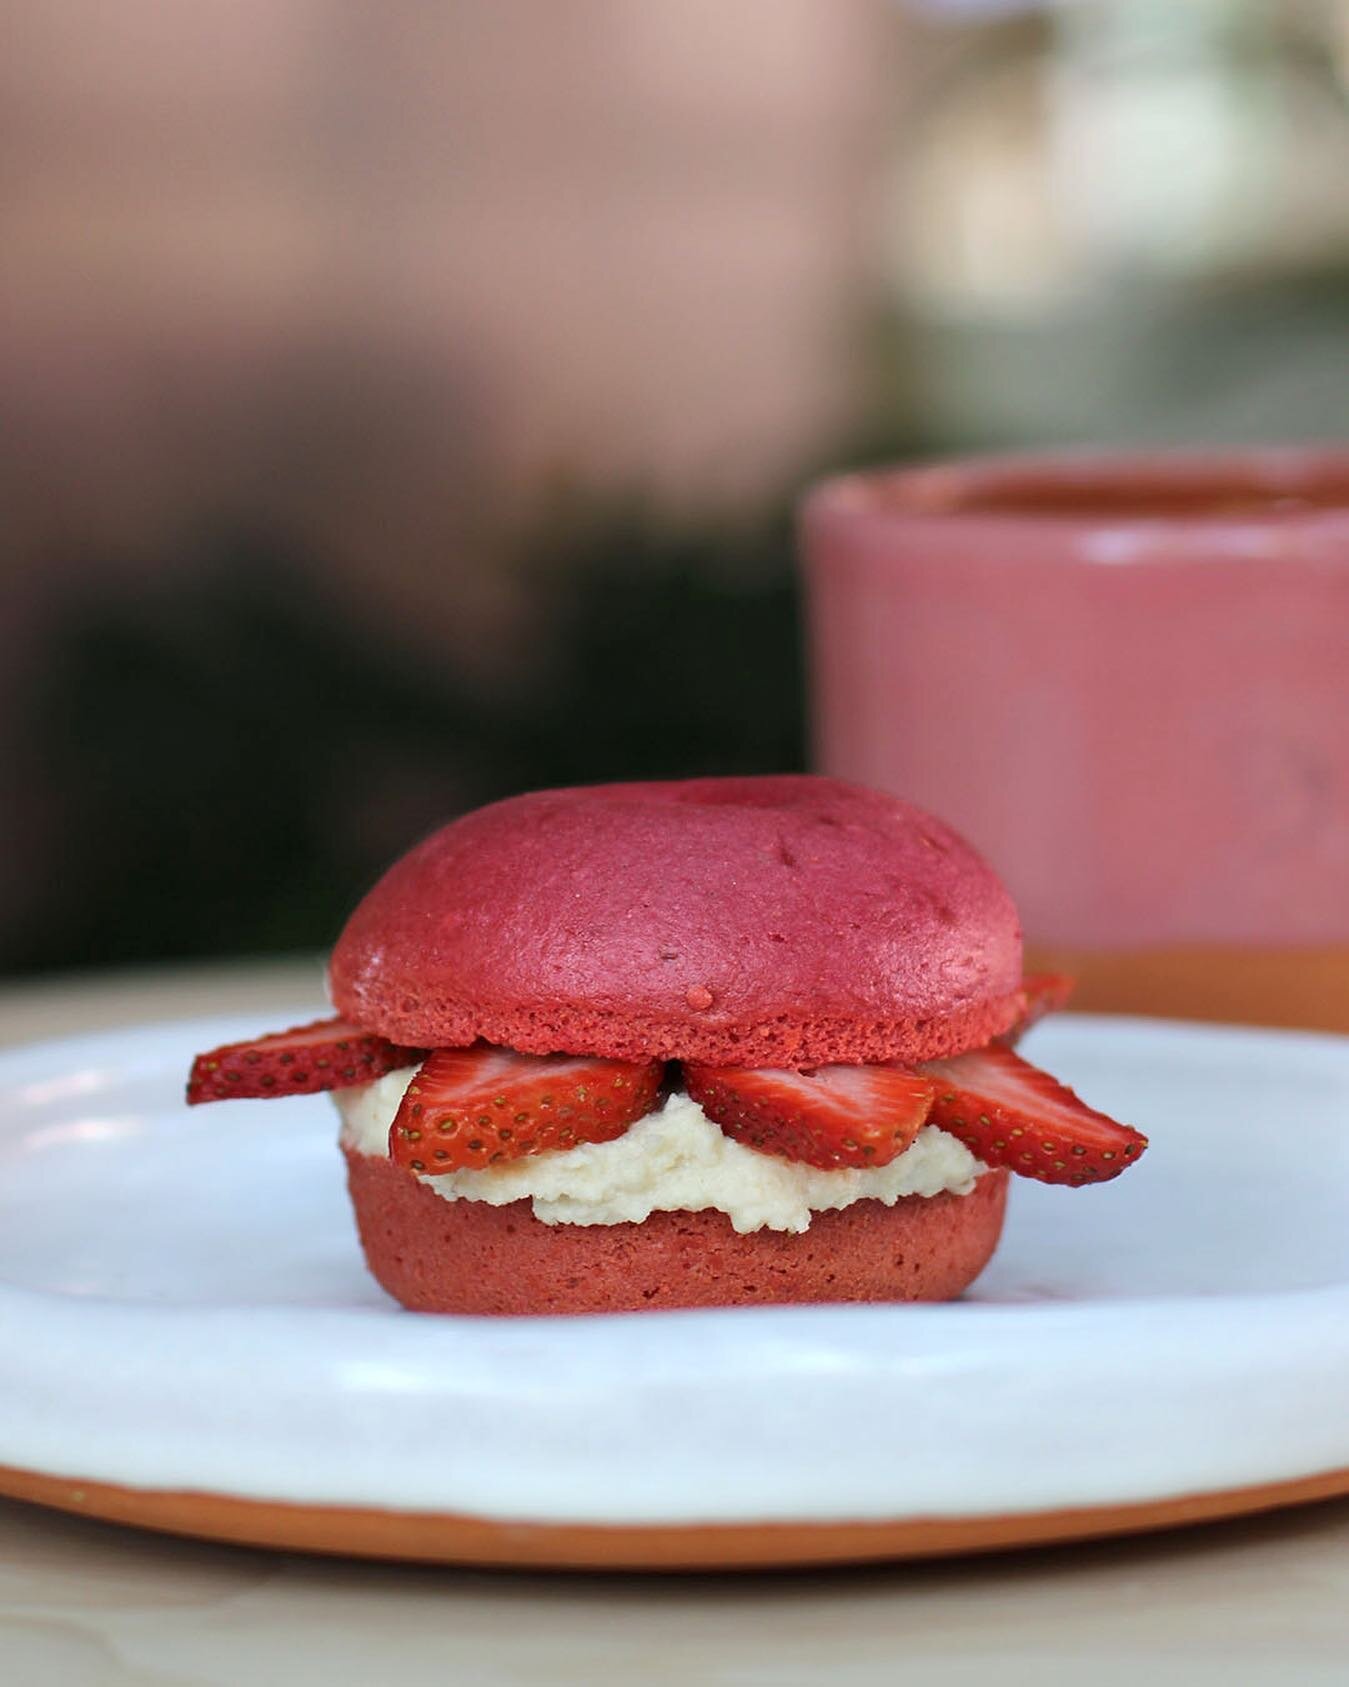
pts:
[327, 1055]
[828, 1116]
[1012, 1114]
[470, 1108]
[1041, 993]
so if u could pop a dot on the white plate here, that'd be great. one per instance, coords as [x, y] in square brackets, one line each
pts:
[183, 1307]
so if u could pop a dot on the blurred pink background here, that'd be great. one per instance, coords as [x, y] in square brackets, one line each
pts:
[400, 405]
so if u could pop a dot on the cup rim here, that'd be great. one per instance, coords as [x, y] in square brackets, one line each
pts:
[1090, 488]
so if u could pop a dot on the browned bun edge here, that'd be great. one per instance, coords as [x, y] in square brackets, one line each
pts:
[773, 1040]
[435, 1255]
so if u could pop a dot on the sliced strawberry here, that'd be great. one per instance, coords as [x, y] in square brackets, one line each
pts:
[326, 1055]
[1041, 993]
[1012, 1114]
[469, 1108]
[829, 1116]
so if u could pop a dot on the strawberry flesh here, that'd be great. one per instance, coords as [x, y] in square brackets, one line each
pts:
[327, 1055]
[829, 1116]
[1012, 1114]
[1041, 993]
[476, 1107]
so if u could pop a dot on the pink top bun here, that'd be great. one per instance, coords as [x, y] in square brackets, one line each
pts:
[780, 921]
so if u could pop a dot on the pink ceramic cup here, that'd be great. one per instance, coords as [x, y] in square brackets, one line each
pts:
[1124, 677]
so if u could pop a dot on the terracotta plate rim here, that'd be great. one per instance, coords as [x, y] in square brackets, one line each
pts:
[451, 1538]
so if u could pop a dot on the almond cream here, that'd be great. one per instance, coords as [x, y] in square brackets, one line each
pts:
[673, 1160]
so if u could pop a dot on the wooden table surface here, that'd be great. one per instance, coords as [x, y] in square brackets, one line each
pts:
[1263, 1601]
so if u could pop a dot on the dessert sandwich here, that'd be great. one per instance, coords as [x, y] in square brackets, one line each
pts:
[706, 1043]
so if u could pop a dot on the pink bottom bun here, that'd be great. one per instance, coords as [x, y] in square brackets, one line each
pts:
[467, 1257]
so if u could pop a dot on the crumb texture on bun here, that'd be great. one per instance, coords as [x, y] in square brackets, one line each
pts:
[787, 920]
[434, 1255]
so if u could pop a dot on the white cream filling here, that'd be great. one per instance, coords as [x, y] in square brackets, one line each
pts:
[673, 1160]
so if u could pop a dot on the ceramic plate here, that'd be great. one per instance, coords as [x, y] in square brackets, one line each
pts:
[188, 1339]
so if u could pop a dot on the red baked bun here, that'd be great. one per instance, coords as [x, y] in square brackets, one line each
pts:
[716, 1042]
[464, 1256]
[756, 922]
